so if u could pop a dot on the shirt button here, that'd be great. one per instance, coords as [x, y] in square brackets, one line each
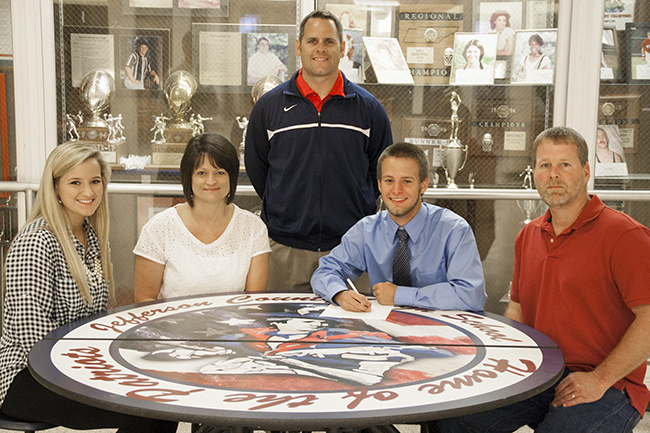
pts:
[551, 240]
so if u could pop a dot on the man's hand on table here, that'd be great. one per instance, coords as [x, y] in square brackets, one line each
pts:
[385, 293]
[352, 301]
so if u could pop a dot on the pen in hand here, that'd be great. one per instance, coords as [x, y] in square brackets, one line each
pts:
[352, 286]
[365, 304]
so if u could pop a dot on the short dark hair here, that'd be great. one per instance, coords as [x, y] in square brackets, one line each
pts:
[563, 134]
[497, 14]
[323, 15]
[406, 150]
[536, 38]
[477, 44]
[222, 154]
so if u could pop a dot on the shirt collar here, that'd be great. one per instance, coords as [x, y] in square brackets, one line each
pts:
[590, 212]
[413, 227]
[307, 91]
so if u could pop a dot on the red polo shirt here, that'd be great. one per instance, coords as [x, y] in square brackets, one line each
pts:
[308, 93]
[578, 287]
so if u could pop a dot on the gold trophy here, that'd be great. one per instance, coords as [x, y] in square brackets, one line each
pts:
[528, 206]
[452, 153]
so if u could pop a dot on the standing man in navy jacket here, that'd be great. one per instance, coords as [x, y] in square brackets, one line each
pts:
[312, 146]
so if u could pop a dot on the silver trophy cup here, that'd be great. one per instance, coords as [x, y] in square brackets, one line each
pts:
[179, 88]
[96, 90]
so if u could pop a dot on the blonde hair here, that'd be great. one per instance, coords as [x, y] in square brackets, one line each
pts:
[62, 160]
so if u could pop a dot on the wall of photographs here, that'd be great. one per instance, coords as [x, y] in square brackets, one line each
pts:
[179, 67]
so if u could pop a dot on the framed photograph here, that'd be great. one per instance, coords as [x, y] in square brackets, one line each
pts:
[502, 18]
[638, 51]
[115, 50]
[610, 158]
[426, 35]
[352, 61]
[268, 54]
[609, 67]
[533, 60]
[524, 14]
[618, 13]
[229, 58]
[142, 63]
[352, 17]
[387, 60]
[474, 59]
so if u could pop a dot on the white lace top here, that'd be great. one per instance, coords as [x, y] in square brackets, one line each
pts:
[192, 267]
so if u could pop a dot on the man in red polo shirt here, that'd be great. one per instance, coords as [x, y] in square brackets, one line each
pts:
[581, 278]
[312, 145]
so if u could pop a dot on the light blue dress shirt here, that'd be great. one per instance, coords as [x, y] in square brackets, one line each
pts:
[446, 270]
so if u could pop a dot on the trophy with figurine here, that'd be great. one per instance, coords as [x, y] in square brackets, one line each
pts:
[102, 130]
[452, 153]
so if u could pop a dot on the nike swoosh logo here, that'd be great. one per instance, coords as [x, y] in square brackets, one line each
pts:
[289, 108]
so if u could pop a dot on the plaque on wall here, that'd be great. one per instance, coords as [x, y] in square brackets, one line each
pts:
[426, 35]
[503, 127]
[622, 111]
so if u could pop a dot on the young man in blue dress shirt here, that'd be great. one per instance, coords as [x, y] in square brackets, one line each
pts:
[445, 267]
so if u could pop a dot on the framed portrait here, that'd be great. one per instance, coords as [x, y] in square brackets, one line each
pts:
[610, 157]
[502, 18]
[638, 51]
[387, 60]
[523, 14]
[115, 49]
[229, 58]
[533, 60]
[474, 59]
[267, 54]
[609, 67]
[142, 60]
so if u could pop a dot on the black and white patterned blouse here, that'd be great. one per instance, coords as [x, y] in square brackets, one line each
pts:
[41, 294]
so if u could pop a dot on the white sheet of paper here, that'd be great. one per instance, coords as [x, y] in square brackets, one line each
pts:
[377, 312]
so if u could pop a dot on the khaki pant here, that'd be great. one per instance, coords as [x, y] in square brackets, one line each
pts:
[290, 269]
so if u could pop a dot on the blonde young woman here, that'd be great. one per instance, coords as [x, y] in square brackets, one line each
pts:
[208, 244]
[58, 271]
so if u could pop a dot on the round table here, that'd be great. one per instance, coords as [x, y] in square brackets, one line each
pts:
[280, 361]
